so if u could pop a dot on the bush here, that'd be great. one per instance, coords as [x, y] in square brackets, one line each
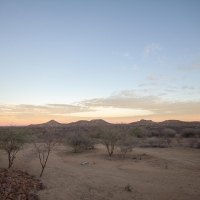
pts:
[155, 133]
[192, 142]
[156, 142]
[140, 132]
[168, 132]
[179, 139]
[79, 141]
[188, 133]
[127, 144]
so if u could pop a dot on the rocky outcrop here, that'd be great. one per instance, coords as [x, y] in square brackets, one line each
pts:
[18, 185]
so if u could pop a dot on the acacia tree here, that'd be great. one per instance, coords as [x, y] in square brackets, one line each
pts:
[110, 136]
[12, 140]
[43, 145]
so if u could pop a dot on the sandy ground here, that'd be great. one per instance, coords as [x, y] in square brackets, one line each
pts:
[160, 174]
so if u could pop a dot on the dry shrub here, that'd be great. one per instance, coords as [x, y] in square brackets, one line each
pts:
[179, 139]
[27, 157]
[156, 142]
[188, 133]
[140, 132]
[169, 133]
[127, 144]
[192, 143]
[79, 141]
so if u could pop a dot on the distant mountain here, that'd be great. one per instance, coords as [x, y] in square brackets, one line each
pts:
[143, 122]
[100, 122]
[94, 122]
[51, 123]
[171, 121]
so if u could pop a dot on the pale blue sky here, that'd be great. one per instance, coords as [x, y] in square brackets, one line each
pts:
[63, 52]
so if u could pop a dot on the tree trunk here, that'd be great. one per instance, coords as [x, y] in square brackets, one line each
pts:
[42, 171]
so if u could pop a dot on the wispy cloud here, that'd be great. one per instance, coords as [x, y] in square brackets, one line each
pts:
[153, 103]
[49, 109]
[124, 103]
[190, 67]
[151, 49]
[169, 90]
[152, 78]
[188, 87]
[142, 84]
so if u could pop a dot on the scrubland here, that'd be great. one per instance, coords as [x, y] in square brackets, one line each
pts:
[154, 168]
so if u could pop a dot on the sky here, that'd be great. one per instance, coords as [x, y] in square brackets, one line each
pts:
[120, 61]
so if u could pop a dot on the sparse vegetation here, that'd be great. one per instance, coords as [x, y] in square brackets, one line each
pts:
[140, 132]
[128, 188]
[188, 133]
[179, 139]
[192, 142]
[126, 144]
[110, 137]
[43, 145]
[79, 141]
[12, 140]
[27, 157]
[169, 133]
[156, 142]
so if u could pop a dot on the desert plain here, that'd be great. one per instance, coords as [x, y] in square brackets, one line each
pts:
[150, 174]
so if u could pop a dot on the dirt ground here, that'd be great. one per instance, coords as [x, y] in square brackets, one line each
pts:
[153, 174]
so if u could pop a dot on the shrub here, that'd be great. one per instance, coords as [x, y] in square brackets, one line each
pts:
[127, 144]
[80, 141]
[128, 188]
[168, 132]
[156, 142]
[179, 139]
[12, 140]
[188, 133]
[192, 142]
[155, 133]
[140, 132]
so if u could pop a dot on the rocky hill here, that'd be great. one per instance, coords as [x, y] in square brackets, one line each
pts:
[147, 124]
[51, 123]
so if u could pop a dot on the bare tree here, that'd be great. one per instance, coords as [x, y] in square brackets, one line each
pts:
[109, 138]
[43, 145]
[12, 140]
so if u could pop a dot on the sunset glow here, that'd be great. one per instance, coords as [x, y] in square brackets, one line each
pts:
[121, 61]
